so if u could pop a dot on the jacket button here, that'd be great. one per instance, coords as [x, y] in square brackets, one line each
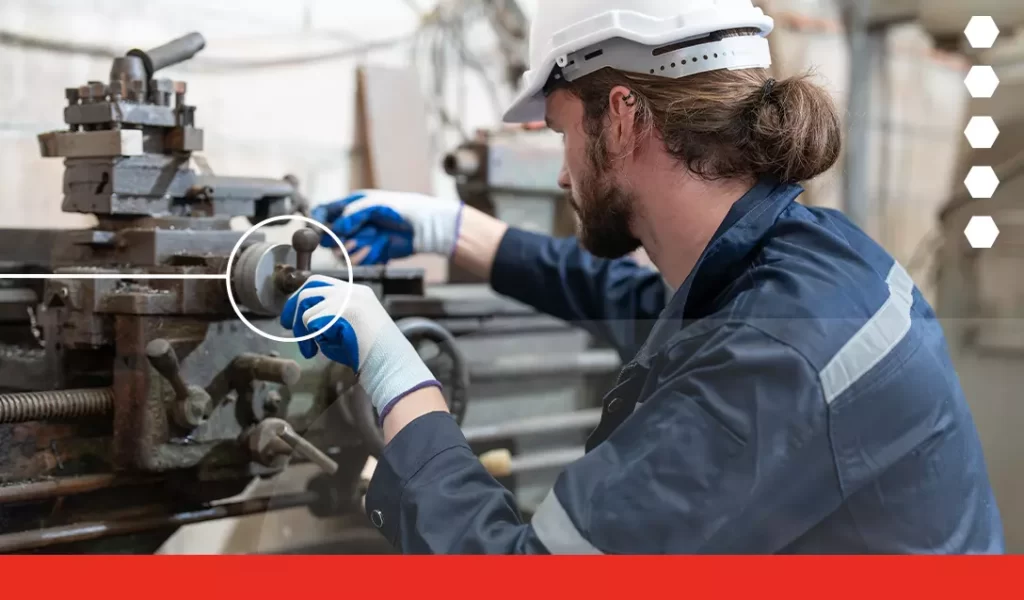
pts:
[615, 404]
[377, 518]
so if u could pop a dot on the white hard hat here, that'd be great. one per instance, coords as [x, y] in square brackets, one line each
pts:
[573, 38]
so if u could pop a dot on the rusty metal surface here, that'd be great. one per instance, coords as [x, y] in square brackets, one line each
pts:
[55, 405]
[112, 381]
[79, 532]
[64, 486]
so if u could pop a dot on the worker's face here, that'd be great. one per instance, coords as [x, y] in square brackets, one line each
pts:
[604, 207]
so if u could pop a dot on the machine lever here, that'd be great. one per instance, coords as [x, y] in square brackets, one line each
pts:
[172, 53]
[256, 367]
[191, 402]
[305, 241]
[288, 278]
[274, 439]
[161, 355]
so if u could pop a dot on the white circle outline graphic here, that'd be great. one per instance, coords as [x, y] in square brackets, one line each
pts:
[234, 254]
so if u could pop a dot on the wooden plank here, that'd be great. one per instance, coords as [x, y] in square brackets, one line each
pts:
[391, 129]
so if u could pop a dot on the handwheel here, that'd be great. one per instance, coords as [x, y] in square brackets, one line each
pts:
[357, 407]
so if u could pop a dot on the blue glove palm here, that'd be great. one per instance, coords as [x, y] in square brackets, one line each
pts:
[365, 339]
[339, 343]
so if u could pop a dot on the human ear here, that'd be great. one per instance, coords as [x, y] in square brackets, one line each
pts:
[622, 118]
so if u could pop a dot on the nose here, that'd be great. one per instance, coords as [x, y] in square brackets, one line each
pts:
[563, 178]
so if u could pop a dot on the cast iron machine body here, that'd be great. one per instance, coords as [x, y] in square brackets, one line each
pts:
[131, 389]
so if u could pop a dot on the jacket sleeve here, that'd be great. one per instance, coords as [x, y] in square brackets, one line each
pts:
[719, 459]
[615, 300]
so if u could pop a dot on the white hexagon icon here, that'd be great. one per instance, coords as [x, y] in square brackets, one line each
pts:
[981, 32]
[982, 182]
[981, 232]
[981, 81]
[981, 132]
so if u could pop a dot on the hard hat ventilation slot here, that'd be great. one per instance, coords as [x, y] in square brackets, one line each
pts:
[684, 60]
[680, 59]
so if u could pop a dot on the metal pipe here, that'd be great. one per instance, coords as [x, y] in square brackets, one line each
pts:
[172, 53]
[582, 419]
[864, 43]
[64, 486]
[81, 532]
[18, 296]
[541, 461]
[464, 161]
[591, 362]
[497, 325]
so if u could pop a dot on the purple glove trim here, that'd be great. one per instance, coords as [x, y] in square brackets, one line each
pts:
[458, 225]
[390, 405]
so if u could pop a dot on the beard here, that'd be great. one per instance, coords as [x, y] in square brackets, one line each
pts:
[604, 208]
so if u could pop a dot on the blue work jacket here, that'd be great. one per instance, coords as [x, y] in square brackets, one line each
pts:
[795, 395]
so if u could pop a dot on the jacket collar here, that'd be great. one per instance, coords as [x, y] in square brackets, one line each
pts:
[727, 256]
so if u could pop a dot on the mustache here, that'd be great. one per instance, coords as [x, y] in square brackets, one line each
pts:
[570, 197]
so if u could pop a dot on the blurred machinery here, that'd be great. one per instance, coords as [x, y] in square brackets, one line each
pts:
[133, 400]
[979, 294]
[513, 175]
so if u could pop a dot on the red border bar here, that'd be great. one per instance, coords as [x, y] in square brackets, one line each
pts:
[522, 578]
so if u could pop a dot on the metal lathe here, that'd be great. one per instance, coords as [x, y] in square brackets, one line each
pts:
[134, 400]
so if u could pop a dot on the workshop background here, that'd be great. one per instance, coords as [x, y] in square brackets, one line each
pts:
[315, 88]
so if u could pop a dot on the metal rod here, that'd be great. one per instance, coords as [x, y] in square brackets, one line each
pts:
[593, 362]
[22, 407]
[493, 325]
[18, 296]
[81, 532]
[64, 486]
[864, 43]
[309, 451]
[583, 419]
[540, 461]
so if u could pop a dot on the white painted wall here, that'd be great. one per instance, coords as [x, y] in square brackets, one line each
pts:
[259, 122]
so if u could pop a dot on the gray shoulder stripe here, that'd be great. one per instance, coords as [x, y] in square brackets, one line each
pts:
[875, 340]
[556, 531]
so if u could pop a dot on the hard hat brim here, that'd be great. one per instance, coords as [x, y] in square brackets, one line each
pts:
[530, 105]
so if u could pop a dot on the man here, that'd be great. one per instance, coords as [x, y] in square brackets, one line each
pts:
[795, 394]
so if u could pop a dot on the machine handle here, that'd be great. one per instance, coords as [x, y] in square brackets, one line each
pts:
[308, 450]
[171, 53]
[256, 367]
[498, 463]
[305, 241]
[161, 355]
[273, 438]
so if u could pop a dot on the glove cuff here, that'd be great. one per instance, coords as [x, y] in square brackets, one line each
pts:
[439, 233]
[393, 370]
[393, 403]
